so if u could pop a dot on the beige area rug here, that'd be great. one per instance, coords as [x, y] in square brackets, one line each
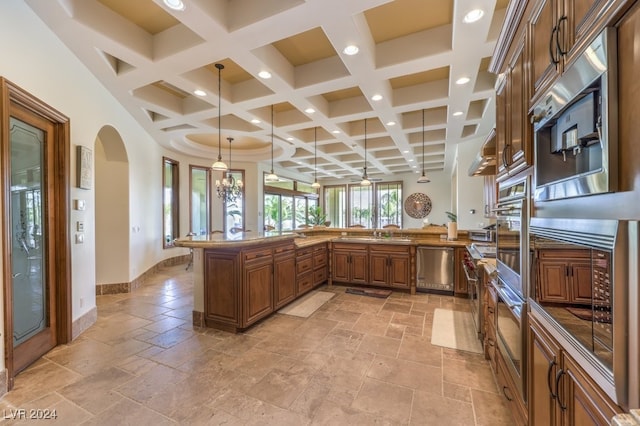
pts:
[455, 330]
[307, 304]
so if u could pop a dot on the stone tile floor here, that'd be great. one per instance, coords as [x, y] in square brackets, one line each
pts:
[356, 361]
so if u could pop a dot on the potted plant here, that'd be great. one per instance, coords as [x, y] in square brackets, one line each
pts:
[452, 226]
[316, 217]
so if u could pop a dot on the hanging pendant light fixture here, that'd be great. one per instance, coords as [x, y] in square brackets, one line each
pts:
[271, 177]
[315, 183]
[230, 189]
[365, 179]
[219, 165]
[423, 178]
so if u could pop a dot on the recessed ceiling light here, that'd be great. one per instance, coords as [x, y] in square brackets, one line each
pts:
[376, 97]
[391, 123]
[289, 138]
[406, 151]
[413, 167]
[264, 74]
[335, 132]
[457, 113]
[463, 80]
[473, 16]
[255, 121]
[174, 4]
[309, 110]
[199, 92]
[351, 50]
[411, 159]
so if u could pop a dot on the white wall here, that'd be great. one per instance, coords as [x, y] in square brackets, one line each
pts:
[470, 192]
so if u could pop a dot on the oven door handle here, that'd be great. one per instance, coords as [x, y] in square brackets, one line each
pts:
[507, 299]
[466, 272]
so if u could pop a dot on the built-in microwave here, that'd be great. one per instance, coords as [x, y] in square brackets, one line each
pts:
[575, 126]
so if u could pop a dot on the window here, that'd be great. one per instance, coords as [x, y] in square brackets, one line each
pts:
[287, 204]
[233, 212]
[370, 206]
[170, 197]
[200, 201]
[335, 205]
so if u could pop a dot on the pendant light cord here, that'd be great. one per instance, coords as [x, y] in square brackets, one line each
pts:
[423, 142]
[365, 147]
[271, 138]
[315, 154]
[220, 67]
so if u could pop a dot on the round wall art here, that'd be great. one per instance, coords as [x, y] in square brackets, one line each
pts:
[417, 205]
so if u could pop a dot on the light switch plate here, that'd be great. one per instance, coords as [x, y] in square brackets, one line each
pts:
[80, 204]
[80, 238]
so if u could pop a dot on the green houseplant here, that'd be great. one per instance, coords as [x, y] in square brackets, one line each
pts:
[315, 216]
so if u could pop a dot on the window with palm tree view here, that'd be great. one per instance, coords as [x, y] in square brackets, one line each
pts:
[290, 205]
[369, 206]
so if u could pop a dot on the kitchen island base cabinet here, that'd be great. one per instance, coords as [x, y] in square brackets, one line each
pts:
[560, 392]
[284, 269]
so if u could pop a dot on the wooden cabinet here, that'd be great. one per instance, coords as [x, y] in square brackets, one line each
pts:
[390, 265]
[564, 276]
[460, 280]
[560, 29]
[304, 270]
[350, 263]
[320, 264]
[284, 268]
[510, 391]
[257, 289]
[560, 392]
[514, 133]
[490, 321]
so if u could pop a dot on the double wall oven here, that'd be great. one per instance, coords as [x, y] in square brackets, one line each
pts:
[513, 258]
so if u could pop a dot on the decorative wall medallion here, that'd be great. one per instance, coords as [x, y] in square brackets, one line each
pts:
[417, 205]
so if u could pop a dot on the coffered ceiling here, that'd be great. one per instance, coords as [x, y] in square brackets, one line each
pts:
[411, 53]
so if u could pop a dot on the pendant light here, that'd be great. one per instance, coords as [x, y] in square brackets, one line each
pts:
[315, 183]
[230, 189]
[423, 178]
[365, 179]
[219, 165]
[271, 177]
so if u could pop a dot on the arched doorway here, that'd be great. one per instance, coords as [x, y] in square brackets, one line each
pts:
[112, 212]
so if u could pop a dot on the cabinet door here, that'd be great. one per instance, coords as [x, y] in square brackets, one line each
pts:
[543, 365]
[400, 270]
[379, 269]
[580, 277]
[258, 292]
[585, 403]
[519, 147]
[221, 289]
[545, 57]
[359, 267]
[576, 24]
[340, 266]
[552, 284]
[284, 269]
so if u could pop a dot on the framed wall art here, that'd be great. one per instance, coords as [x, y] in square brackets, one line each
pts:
[84, 161]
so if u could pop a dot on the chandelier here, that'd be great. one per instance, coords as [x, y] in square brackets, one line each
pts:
[229, 189]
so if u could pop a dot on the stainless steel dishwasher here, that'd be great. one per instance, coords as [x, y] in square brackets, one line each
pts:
[434, 269]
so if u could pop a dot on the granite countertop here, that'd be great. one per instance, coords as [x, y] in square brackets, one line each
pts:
[304, 239]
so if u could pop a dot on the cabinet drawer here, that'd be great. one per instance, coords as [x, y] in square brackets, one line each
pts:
[320, 276]
[256, 254]
[305, 283]
[304, 264]
[284, 248]
[320, 248]
[350, 246]
[307, 251]
[319, 259]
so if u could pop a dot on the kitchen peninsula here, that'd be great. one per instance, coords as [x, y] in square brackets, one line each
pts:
[243, 278]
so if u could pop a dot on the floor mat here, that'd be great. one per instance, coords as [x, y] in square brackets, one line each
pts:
[308, 304]
[455, 330]
[381, 294]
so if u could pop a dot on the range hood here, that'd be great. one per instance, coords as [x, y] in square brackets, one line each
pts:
[485, 162]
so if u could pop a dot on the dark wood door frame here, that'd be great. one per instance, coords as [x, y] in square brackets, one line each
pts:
[12, 96]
